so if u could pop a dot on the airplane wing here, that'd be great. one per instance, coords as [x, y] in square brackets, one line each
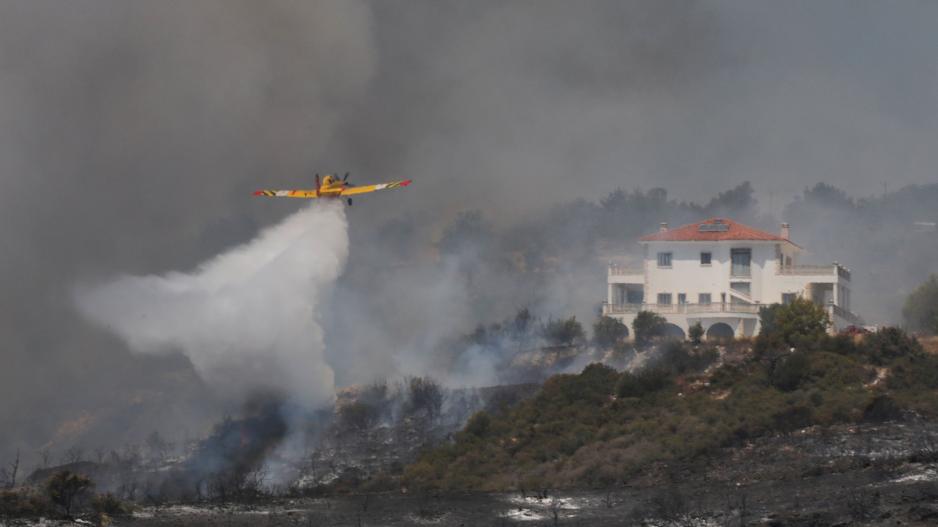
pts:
[308, 194]
[351, 191]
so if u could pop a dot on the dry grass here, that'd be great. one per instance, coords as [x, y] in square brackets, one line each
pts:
[930, 344]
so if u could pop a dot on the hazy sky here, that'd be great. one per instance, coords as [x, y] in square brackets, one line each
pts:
[132, 133]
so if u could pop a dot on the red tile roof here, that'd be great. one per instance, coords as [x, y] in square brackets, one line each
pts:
[713, 232]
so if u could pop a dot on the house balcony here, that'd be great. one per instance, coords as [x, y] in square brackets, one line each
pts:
[830, 273]
[682, 309]
[841, 317]
[626, 275]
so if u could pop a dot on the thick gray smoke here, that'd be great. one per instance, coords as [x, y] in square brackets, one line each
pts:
[249, 318]
[132, 133]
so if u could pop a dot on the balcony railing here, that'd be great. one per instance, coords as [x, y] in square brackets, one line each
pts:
[616, 270]
[675, 309]
[850, 317]
[815, 270]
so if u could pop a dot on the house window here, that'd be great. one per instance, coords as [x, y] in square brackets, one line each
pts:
[664, 259]
[634, 296]
[664, 299]
[705, 258]
[741, 258]
[788, 298]
[703, 298]
[681, 298]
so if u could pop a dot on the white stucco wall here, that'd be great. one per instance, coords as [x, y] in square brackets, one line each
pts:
[687, 275]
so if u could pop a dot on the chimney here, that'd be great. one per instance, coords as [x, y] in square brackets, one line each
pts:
[786, 231]
[663, 227]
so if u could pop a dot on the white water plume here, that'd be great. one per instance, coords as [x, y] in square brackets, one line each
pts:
[248, 318]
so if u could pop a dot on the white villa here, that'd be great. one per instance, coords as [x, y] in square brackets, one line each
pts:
[719, 272]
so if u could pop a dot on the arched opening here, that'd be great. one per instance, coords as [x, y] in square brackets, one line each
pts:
[720, 331]
[672, 331]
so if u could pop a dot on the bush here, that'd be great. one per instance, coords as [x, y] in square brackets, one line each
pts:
[695, 333]
[801, 325]
[676, 358]
[921, 307]
[66, 489]
[646, 326]
[424, 395]
[594, 386]
[608, 331]
[889, 344]
[644, 382]
[789, 372]
[109, 504]
[563, 332]
[479, 424]
[767, 315]
[23, 502]
[914, 373]
[881, 409]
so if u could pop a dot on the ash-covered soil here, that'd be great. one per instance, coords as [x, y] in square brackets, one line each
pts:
[874, 474]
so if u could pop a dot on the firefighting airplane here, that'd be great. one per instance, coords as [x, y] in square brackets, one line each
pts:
[332, 186]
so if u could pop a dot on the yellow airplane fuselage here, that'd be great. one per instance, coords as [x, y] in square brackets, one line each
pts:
[331, 186]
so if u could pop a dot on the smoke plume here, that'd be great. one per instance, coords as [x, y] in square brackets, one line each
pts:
[248, 319]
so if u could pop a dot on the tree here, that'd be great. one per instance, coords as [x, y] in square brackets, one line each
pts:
[65, 487]
[921, 307]
[8, 474]
[73, 455]
[646, 326]
[801, 324]
[563, 332]
[695, 333]
[426, 395]
[608, 331]
[767, 314]
[521, 327]
[790, 371]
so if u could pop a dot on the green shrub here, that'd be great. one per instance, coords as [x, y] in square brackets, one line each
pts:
[479, 424]
[889, 344]
[563, 332]
[608, 332]
[882, 408]
[643, 382]
[919, 372]
[646, 326]
[677, 358]
[790, 371]
[66, 489]
[767, 325]
[792, 418]
[695, 333]
[801, 324]
[109, 504]
[593, 385]
[23, 502]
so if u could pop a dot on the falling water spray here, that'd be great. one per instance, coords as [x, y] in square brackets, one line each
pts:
[248, 319]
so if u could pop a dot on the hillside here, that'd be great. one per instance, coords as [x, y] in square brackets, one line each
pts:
[603, 428]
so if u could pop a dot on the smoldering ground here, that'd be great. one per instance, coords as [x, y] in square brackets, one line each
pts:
[132, 133]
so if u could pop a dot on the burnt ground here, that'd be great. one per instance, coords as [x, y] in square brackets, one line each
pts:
[874, 474]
